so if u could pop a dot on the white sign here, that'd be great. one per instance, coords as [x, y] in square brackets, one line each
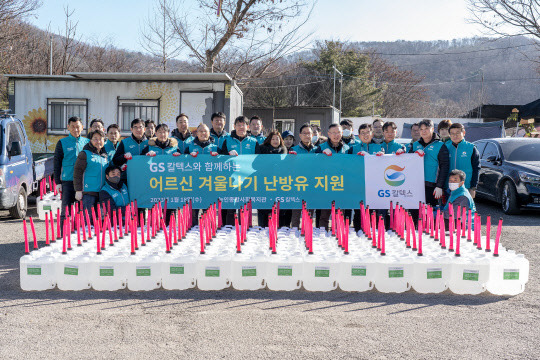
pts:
[396, 178]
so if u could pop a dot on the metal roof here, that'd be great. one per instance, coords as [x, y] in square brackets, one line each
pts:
[128, 76]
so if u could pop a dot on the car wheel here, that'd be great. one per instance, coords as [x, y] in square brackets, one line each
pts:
[19, 210]
[509, 201]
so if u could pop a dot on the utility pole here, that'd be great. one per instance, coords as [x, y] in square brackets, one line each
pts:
[334, 96]
[340, 87]
[481, 96]
[50, 61]
[297, 96]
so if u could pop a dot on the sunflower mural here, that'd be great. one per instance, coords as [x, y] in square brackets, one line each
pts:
[35, 124]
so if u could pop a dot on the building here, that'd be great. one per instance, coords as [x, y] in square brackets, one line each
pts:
[291, 118]
[45, 102]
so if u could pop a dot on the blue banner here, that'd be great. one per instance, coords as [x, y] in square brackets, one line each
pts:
[316, 178]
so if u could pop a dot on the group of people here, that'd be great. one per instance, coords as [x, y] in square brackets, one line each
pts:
[93, 169]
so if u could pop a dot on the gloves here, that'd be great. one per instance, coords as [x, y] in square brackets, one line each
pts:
[327, 152]
[59, 188]
[128, 156]
[437, 193]
[400, 151]
[176, 154]
[123, 167]
[78, 195]
[362, 153]
[194, 154]
[420, 153]
[293, 152]
[233, 153]
[213, 153]
[151, 153]
[380, 153]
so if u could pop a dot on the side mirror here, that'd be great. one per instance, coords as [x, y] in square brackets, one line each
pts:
[493, 159]
[15, 149]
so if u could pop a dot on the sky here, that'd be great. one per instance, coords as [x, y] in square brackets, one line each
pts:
[347, 20]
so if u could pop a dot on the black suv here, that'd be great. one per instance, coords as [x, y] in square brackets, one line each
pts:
[510, 172]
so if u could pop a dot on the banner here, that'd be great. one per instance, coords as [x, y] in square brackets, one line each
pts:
[394, 178]
[316, 178]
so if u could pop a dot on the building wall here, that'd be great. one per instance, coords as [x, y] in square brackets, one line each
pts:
[300, 115]
[31, 102]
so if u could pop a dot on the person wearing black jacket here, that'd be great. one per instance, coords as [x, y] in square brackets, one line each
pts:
[131, 146]
[273, 144]
[436, 161]
[89, 170]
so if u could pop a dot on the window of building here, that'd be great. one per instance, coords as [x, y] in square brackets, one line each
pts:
[282, 125]
[60, 110]
[133, 109]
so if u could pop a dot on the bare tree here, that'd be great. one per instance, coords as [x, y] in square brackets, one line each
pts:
[246, 37]
[157, 36]
[12, 12]
[507, 17]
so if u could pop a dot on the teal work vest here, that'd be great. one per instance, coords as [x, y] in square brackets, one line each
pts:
[245, 147]
[326, 145]
[299, 149]
[72, 147]
[431, 161]
[461, 191]
[183, 144]
[219, 140]
[121, 198]
[160, 151]
[460, 158]
[132, 147]
[110, 149]
[208, 149]
[370, 148]
[260, 138]
[391, 147]
[94, 174]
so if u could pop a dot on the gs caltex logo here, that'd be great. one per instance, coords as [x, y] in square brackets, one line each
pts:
[393, 175]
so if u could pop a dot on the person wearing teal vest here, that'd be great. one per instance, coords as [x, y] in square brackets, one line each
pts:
[436, 161]
[239, 142]
[460, 198]
[131, 146]
[162, 144]
[305, 146]
[464, 156]
[348, 133]
[415, 136]
[113, 140]
[217, 131]
[89, 171]
[182, 133]
[203, 144]
[389, 145]
[256, 129]
[114, 194]
[65, 155]
[366, 146]
[334, 145]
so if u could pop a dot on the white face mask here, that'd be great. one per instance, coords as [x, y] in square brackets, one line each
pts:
[453, 186]
[347, 133]
[314, 139]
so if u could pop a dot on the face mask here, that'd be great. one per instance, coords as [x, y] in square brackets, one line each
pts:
[347, 133]
[453, 186]
[114, 179]
[314, 139]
